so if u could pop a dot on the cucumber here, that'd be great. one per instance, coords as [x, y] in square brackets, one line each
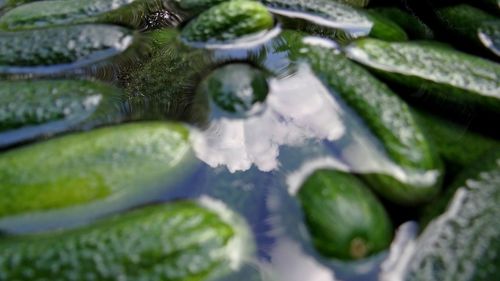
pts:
[227, 21]
[59, 49]
[388, 118]
[462, 244]
[197, 5]
[412, 25]
[458, 78]
[177, 241]
[457, 146]
[24, 103]
[345, 219]
[101, 170]
[339, 16]
[234, 90]
[469, 22]
[43, 14]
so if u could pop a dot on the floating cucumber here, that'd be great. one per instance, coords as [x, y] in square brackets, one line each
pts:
[177, 241]
[197, 5]
[450, 75]
[339, 16]
[462, 244]
[59, 49]
[228, 20]
[345, 219]
[24, 103]
[474, 24]
[457, 146]
[388, 118]
[64, 12]
[91, 173]
[414, 27]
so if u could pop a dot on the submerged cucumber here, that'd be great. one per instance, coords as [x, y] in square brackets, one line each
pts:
[469, 22]
[456, 77]
[227, 21]
[233, 89]
[61, 48]
[388, 118]
[345, 219]
[339, 16]
[43, 14]
[462, 244]
[178, 241]
[115, 165]
[24, 103]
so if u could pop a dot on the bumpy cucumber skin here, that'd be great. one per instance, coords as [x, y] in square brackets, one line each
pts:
[88, 167]
[413, 26]
[450, 75]
[345, 219]
[457, 146]
[177, 241]
[77, 45]
[462, 244]
[343, 15]
[42, 14]
[227, 21]
[388, 118]
[474, 24]
[196, 5]
[25, 103]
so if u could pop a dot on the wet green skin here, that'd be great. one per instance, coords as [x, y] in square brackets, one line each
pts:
[170, 242]
[462, 244]
[382, 27]
[467, 21]
[227, 21]
[449, 75]
[413, 26]
[44, 14]
[389, 119]
[104, 164]
[196, 5]
[71, 45]
[345, 219]
[457, 146]
[24, 103]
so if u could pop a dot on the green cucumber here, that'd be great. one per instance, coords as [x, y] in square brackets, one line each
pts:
[457, 146]
[197, 5]
[24, 103]
[479, 27]
[458, 78]
[388, 118]
[345, 219]
[235, 89]
[462, 244]
[103, 169]
[177, 241]
[61, 48]
[340, 16]
[43, 14]
[227, 21]
[413, 26]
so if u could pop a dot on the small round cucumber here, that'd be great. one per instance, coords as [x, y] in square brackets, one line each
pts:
[227, 21]
[345, 219]
[177, 241]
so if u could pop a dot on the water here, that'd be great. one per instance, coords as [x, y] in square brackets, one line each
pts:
[254, 162]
